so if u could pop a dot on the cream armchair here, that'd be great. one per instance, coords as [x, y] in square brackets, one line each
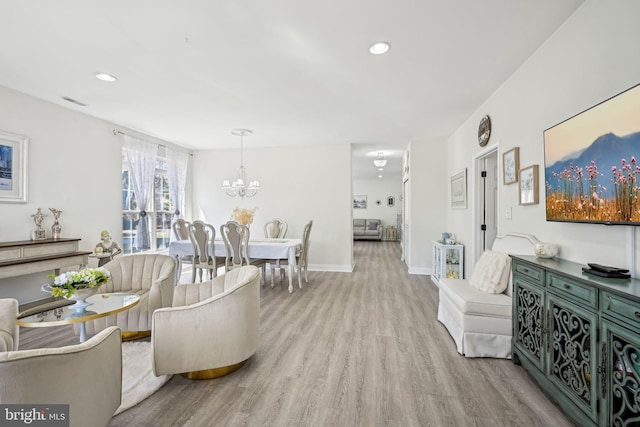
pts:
[8, 326]
[212, 328]
[87, 376]
[152, 277]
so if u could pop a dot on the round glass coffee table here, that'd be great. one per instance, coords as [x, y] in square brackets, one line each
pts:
[56, 313]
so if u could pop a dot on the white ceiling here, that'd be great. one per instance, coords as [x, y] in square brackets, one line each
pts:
[295, 72]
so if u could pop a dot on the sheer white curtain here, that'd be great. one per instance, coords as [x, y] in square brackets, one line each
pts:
[177, 164]
[142, 157]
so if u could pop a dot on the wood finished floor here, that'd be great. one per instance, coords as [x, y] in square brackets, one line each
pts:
[349, 349]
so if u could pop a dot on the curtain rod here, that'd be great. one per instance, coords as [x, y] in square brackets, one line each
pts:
[116, 132]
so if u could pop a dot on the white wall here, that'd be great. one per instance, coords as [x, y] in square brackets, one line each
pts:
[429, 199]
[587, 60]
[379, 190]
[298, 184]
[74, 165]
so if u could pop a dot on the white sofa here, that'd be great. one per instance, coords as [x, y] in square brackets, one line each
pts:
[480, 322]
[367, 229]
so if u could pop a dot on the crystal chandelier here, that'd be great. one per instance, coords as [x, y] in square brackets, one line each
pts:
[380, 161]
[239, 186]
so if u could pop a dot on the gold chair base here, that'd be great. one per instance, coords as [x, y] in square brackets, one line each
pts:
[135, 335]
[208, 374]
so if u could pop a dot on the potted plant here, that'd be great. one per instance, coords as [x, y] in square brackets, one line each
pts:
[77, 285]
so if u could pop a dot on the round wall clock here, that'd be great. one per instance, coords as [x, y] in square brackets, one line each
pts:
[484, 131]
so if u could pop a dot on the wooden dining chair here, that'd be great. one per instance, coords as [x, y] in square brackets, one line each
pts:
[181, 232]
[236, 242]
[181, 229]
[302, 256]
[202, 237]
[275, 229]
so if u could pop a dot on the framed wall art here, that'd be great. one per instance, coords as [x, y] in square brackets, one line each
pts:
[359, 202]
[13, 167]
[529, 185]
[511, 166]
[459, 190]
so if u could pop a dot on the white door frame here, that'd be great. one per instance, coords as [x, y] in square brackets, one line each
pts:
[406, 218]
[477, 208]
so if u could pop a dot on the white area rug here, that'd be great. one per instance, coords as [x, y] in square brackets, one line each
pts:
[138, 381]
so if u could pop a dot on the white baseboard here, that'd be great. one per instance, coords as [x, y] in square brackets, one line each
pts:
[331, 267]
[336, 268]
[422, 271]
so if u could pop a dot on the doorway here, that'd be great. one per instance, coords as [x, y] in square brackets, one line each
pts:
[404, 226]
[379, 187]
[486, 206]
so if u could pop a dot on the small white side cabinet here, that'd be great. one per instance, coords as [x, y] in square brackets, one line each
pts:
[448, 262]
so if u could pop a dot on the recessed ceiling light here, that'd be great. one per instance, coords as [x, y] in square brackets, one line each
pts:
[106, 77]
[380, 169]
[379, 176]
[378, 48]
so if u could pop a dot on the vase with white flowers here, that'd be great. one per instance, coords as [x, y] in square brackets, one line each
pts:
[77, 285]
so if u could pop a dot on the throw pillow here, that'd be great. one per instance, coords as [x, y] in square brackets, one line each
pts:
[491, 273]
[373, 225]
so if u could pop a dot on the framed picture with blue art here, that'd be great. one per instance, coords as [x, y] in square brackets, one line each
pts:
[13, 167]
[359, 202]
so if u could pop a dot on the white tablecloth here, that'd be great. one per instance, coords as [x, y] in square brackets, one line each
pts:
[258, 248]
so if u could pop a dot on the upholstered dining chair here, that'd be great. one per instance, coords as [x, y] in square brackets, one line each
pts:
[275, 229]
[212, 328]
[202, 237]
[152, 277]
[236, 241]
[87, 376]
[301, 257]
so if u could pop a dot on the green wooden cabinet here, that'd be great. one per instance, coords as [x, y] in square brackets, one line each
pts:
[579, 337]
[572, 352]
[528, 321]
[620, 361]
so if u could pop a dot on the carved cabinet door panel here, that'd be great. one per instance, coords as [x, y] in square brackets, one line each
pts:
[572, 352]
[528, 321]
[620, 376]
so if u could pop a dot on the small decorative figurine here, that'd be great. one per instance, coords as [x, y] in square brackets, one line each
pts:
[56, 229]
[106, 249]
[39, 233]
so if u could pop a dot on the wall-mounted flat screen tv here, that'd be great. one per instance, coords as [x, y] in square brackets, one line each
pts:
[592, 163]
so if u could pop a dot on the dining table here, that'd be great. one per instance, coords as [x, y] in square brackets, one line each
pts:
[262, 248]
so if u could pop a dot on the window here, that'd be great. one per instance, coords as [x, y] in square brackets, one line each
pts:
[160, 213]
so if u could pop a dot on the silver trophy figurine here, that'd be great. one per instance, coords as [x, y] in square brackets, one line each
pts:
[39, 233]
[56, 229]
